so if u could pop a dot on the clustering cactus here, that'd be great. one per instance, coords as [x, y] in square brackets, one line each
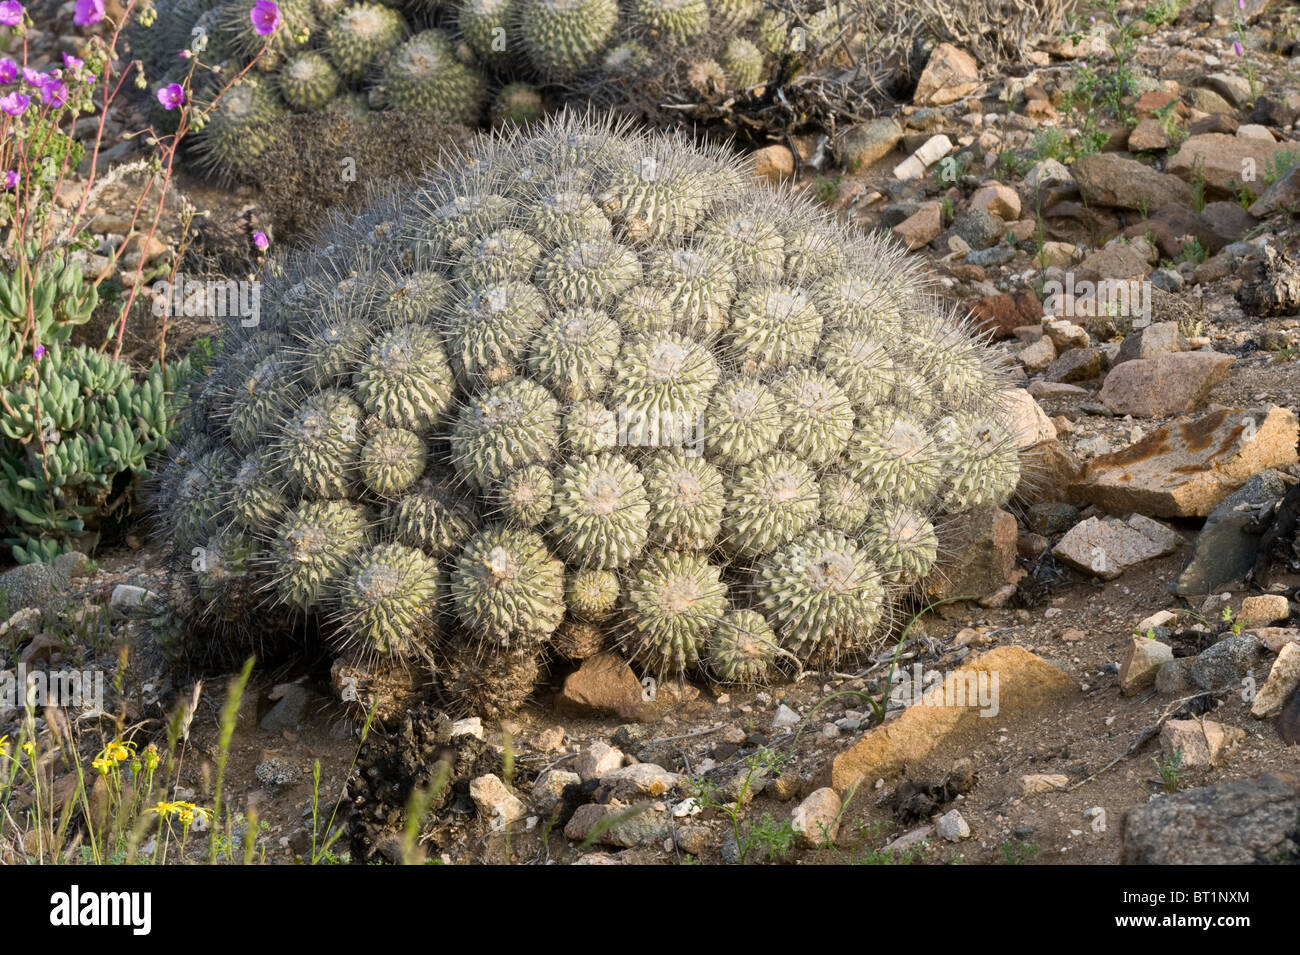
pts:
[585, 388]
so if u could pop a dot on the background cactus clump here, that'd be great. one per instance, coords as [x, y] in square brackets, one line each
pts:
[606, 415]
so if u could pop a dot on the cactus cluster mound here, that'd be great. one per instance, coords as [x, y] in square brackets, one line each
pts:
[584, 387]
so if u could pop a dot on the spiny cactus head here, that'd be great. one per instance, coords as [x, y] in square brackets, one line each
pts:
[392, 460]
[308, 82]
[743, 648]
[742, 62]
[524, 497]
[507, 589]
[592, 594]
[676, 600]
[361, 37]
[670, 21]
[517, 104]
[384, 603]
[313, 545]
[564, 37]
[424, 75]
[245, 128]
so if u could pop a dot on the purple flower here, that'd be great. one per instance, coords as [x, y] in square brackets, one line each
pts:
[72, 63]
[8, 70]
[14, 103]
[12, 178]
[11, 13]
[54, 93]
[34, 77]
[265, 16]
[38, 352]
[261, 241]
[1241, 4]
[1236, 47]
[88, 12]
[171, 96]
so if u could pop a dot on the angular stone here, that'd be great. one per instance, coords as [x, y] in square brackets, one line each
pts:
[1066, 335]
[494, 802]
[1202, 742]
[1220, 160]
[1149, 135]
[1172, 383]
[1187, 467]
[1273, 639]
[980, 555]
[1004, 313]
[947, 717]
[603, 685]
[1121, 261]
[1281, 195]
[922, 227]
[1035, 784]
[949, 75]
[1025, 420]
[997, 199]
[596, 760]
[1144, 659]
[1225, 663]
[863, 144]
[772, 164]
[1038, 356]
[816, 820]
[1111, 180]
[1283, 678]
[1244, 822]
[1224, 551]
[640, 779]
[1161, 338]
[1264, 610]
[1077, 364]
[1107, 546]
[550, 786]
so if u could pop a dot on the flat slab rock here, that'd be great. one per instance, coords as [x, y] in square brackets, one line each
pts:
[1185, 468]
[1244, 822]
[1108, 546]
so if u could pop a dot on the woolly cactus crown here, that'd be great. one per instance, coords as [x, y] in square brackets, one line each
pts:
[591, 373]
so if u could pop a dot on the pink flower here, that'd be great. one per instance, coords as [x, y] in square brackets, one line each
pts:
[15, 103]
[261, 241]
[265, 16]
[72, 63]
[12, 178]
[38, 352]
[8, 70]
[34, 77]
[11, 13]
[171, 96]
[88, 12]
[1236, 47]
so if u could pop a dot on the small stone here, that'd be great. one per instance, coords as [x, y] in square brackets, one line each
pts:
[470, 726]
[785, 717]
[288, 711]
[130, 597]
[1143, 661]
[276, 774]
[1107, 546]
[1035, 784]
[494, 802]
[772, 164]
[596, 760]
[1202, 742]
[997, 199]
[549, 788]
[550, 739]
[1283, 678]
[640, 779]
[1264, 610]
[1077, 364]
[863, 144]
[950, 74]
[922, 227]
[1273, 639]
[1038, 356]
[1073, 635]
[952, 827]
[816, 820]
[1225, 663]
[695, 840]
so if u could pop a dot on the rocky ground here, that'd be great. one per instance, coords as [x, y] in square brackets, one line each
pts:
[1137, 604]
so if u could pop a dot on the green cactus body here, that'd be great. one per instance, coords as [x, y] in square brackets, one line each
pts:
[822, 594]
[661, 384]
[507, 588]
[676, 601]
[392, 460]
[361, 37]
[384, 602]
[671, 21]
[430, 516]
[308, 82]
[423, 74]
[509, 426]
[592, 595]
[312, 546]
[743, 422]
[902, 543]
[817, 415]
[517, 104]
[598, 517]
[687, 496]
[770, 502]
[485, 25]
[318, 447]
[405, 379]
[589, 427]
[524, 498]
[742, 62]
[589, 271]
[742, 649]
[490, 329]
[772, 328]
[564, 37]
[242, 131]
[573, 353]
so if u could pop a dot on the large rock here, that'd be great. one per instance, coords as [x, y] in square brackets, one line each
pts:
[1244, 822]
[948, 717]
[949, 75]
[980, 555]
[1169, 384]
[1202, 743]
[1226, 163]
[1225, 663]
[1107, 546]
[1027, 422]
[604, 685]
[1187, 467]
[1282, 195]
[1224, 550]
[1283, 678]
[1111, 180]
[1002, 314]
[1144, 659]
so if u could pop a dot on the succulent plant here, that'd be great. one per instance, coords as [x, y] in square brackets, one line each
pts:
[590, 402]
[562, 37]
[361, 36]
[308, 82]
[242, 132]
[423, 75]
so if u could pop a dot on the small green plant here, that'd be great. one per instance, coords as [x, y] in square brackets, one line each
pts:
[1171, 770]
[1018, 851]
[828, 189]
[1280, 163]
[1194, 252]
[1198, 184]
[1162, 12]
[765, 837]
[946, 209]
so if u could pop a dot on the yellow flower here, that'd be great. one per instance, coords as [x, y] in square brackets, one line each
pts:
[164, 808]
[119, 752]
[187, 812]
[102, 766]
[151, 758]
[4, 745]
[29, 748]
